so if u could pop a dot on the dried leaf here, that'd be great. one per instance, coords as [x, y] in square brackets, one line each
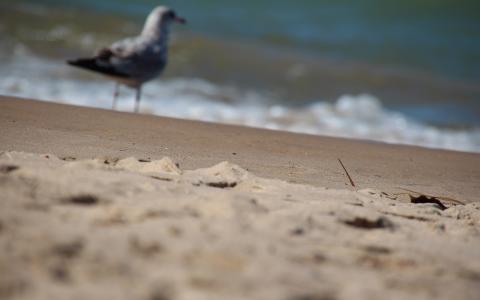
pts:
[426, 199]
[418, 197]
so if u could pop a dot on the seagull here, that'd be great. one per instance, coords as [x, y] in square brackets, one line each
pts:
[136, 60]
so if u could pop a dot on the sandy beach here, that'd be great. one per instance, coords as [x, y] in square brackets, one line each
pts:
[97, 204]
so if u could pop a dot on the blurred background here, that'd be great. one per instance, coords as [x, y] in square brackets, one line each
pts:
[394, 71]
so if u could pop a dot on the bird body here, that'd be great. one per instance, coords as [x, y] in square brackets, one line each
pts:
[134, 61]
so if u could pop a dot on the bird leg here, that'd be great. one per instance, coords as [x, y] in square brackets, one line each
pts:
[137, 98]
[116, 92]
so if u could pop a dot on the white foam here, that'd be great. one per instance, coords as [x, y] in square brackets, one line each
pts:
[361, 116]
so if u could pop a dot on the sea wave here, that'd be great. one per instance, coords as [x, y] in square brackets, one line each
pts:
[354, 116]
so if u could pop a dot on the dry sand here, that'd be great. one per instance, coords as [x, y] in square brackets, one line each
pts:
[90, 221]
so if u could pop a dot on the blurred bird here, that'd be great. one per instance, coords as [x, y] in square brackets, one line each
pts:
[134, 61]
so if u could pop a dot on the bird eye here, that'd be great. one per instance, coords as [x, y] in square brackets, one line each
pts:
[171, 14]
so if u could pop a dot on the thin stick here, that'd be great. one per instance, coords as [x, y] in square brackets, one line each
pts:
[346, 172]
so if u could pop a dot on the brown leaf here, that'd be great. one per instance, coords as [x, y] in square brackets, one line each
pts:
[426, 198]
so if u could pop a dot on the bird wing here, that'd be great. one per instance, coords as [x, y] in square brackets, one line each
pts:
[133, 58]
[100, 63]
[140, 57]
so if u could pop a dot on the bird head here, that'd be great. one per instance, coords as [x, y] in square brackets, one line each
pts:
[160, 18]
[170, 16]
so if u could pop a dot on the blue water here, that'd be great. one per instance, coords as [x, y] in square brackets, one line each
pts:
[440, 36]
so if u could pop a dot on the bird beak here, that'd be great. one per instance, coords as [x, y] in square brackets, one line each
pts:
[180, 20]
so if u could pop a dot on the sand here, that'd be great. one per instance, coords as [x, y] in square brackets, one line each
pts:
[40, 127]
[99, 204]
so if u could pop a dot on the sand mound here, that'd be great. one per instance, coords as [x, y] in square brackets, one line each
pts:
[130, 229]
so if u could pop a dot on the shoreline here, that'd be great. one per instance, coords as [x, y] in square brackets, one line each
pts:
[80, 132]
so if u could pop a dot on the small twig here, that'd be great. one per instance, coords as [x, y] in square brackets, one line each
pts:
[346, 172]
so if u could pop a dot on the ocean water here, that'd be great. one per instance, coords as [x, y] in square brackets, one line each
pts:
[399, 72]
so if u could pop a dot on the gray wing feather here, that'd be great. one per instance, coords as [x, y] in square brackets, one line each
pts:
[139, 58]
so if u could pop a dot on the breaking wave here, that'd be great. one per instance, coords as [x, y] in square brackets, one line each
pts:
[354, 116]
